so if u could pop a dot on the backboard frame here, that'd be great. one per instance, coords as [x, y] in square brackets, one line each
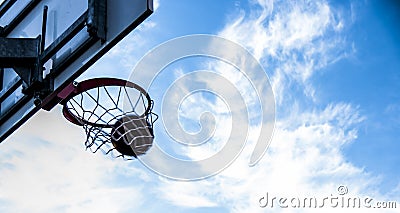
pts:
[102, 38]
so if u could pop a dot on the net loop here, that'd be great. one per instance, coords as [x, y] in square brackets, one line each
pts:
[116, 115]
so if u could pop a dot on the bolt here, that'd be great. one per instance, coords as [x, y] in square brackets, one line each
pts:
[37, 101]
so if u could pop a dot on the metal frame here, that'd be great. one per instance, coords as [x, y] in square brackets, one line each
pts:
[51, 101]
[31, 53]
[88, 52]
[22, 54]
[5, 6]
[26, 50]
[94, 18]
[18, 18]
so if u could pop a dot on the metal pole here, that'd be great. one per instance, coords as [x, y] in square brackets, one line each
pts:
[44, 23]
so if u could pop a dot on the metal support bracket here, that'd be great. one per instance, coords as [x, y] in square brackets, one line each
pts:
[22, 54]
[28, 55]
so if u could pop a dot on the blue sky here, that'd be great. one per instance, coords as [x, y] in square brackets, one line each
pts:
[334, 69]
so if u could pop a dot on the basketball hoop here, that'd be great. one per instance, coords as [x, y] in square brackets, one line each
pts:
[115, 114]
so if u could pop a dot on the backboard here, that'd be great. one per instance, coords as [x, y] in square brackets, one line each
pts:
[65, 37]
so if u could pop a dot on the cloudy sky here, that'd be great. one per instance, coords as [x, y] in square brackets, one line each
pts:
[334, 70]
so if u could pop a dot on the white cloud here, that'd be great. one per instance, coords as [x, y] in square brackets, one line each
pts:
[176, 193]
[156, 4]
[294, 40]
[303, 160]
[46, 169]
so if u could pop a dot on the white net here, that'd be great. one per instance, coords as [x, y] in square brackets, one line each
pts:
[116, 119]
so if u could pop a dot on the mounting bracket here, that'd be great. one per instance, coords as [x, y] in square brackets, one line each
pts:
[28, 55]
[22, 55]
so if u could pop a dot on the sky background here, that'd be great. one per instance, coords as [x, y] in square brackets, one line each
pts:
[334, 68]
